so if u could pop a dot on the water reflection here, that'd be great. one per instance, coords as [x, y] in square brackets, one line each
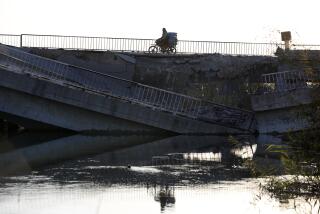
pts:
[113, 150]
[165, 196]
[122, 175]
[85, 198]
[25, 159]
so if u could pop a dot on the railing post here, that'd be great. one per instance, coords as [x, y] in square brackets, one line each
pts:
[21, 40]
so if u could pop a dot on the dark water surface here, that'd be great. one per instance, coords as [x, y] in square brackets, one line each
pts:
[182, 174]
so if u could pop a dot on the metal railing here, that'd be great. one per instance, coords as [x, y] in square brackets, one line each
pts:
[227, 48]
[9, 39]
[85, 43]
[305, 47]
[132, 91]
[137, 45]
[288, 80]
[142, 45]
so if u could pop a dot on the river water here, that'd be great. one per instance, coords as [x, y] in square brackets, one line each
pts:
[181, 174]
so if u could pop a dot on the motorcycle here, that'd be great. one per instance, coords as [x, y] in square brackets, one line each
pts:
[167, 45]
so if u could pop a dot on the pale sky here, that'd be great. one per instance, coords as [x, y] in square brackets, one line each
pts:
[210, 20]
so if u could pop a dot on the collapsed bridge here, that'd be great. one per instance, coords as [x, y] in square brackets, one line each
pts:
[38, 90]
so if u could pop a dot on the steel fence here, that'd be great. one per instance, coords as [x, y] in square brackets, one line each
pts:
[137, 45]
[228, 48]
[85, 43]
[132, 91]
[288, 80]
[142, 45]
[9, 39]
[305, 47]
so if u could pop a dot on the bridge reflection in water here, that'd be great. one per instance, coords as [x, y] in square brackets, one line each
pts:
[19, 155]
[123, 180]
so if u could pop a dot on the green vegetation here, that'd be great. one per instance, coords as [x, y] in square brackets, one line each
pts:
[300, 156]
[298, 175]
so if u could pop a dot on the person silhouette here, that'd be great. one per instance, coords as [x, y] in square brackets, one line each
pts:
[163, 40]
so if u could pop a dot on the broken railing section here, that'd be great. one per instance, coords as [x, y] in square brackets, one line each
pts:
[288, 80]
[156, 98]
[193, 107]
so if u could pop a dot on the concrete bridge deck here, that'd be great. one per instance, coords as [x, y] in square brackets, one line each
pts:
[71, 97]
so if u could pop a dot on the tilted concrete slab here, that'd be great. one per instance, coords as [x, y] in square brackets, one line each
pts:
[62, 105]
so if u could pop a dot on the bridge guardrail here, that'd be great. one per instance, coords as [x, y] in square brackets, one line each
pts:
[136, 45]
[11, 39]
[288, 80]
[305, 47]
[135, 92]
[142, 45]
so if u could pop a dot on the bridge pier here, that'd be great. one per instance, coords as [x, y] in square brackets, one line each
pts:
[282, 111]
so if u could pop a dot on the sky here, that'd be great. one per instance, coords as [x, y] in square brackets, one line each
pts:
[202, 20]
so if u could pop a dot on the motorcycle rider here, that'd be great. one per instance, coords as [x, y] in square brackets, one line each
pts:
[163, 41]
